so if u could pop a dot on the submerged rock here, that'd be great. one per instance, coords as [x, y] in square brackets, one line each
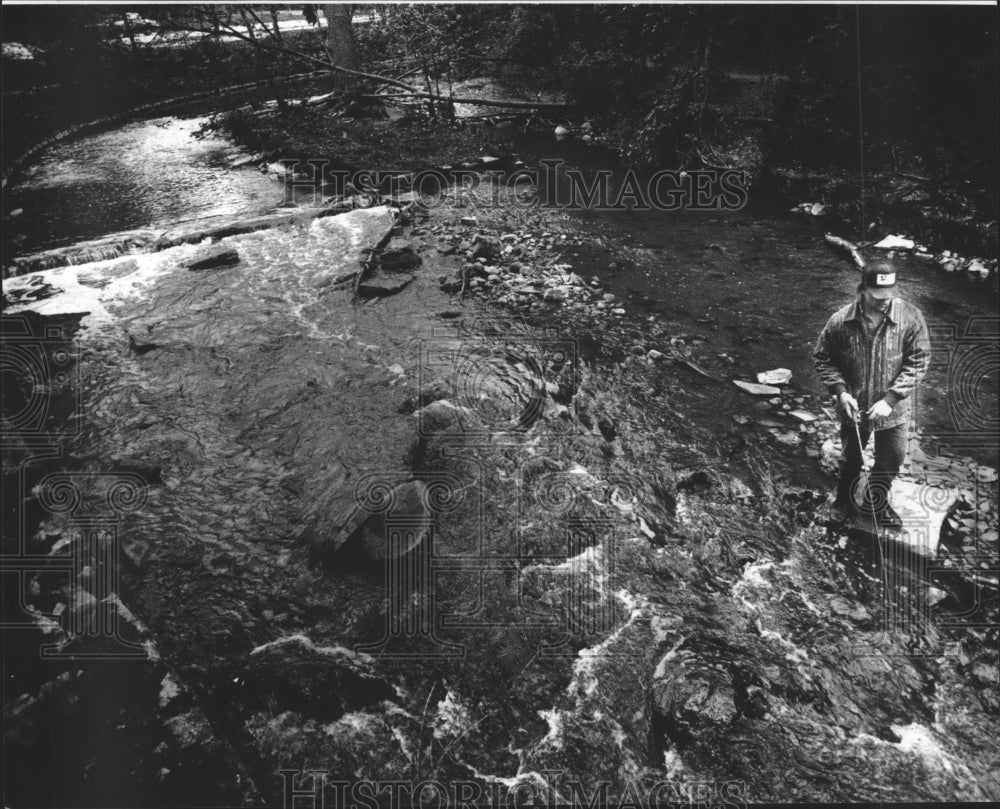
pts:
[213, 259]
[316, 681]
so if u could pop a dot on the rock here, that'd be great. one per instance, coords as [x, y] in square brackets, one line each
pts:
[468, 220]
[397, 259]
[986, 474]
[451, 283]
[213, 259]
[653, 354]
[757, 390]
[922, 509]
[561, 132]
[607, 428]
[778, 376]
[407, 502]
[935, 596]
[976, 267]
[485, 247]
[243, 160]
[322, 682]
[691, 698]
[788, 437]
[555, 295]
[895, 243]
[382, 286]
[804, 416]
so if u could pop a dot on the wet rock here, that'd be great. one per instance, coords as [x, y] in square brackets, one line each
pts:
[362, 526]
[382, 286]
[360, 743]
[693, 480]
[689, 699]
[427, 394]
[399, 258]
[320, 682]
[757, 389]
[442, 416]
[213, 259]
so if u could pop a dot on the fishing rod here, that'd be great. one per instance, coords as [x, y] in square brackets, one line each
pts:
[870, 501]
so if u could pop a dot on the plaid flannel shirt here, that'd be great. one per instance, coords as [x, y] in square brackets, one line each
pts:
[887, 365]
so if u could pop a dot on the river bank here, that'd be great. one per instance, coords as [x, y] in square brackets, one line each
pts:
[929, 203]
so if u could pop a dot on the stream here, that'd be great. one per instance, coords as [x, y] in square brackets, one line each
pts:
[627, 587]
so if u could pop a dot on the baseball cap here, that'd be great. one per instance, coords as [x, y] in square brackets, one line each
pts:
[880, 280]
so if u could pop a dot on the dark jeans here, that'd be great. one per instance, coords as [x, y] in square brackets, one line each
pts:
[890, 450]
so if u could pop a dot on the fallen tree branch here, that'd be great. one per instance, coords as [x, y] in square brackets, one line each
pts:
[369, 261]
[843, 244]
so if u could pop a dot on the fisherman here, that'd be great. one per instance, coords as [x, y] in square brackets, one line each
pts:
[870, 355]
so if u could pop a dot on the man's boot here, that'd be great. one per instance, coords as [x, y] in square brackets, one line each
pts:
[876, 508]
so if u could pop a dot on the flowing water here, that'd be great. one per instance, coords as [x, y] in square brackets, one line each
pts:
[150, 173]
[629, 586]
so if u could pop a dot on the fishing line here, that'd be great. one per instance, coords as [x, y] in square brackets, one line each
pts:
[861, 200]
[871, 503]
[861, 130]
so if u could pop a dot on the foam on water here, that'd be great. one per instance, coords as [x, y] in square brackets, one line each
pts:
[285, 265]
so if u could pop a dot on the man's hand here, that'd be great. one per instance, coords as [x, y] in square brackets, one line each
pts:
[847, 407]
[880, 410]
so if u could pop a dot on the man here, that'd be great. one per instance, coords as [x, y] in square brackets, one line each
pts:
[871, 354]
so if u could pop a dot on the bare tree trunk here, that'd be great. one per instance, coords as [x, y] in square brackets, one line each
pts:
[128, 30]
[274, 23]
[340, 47]
[262, 62]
